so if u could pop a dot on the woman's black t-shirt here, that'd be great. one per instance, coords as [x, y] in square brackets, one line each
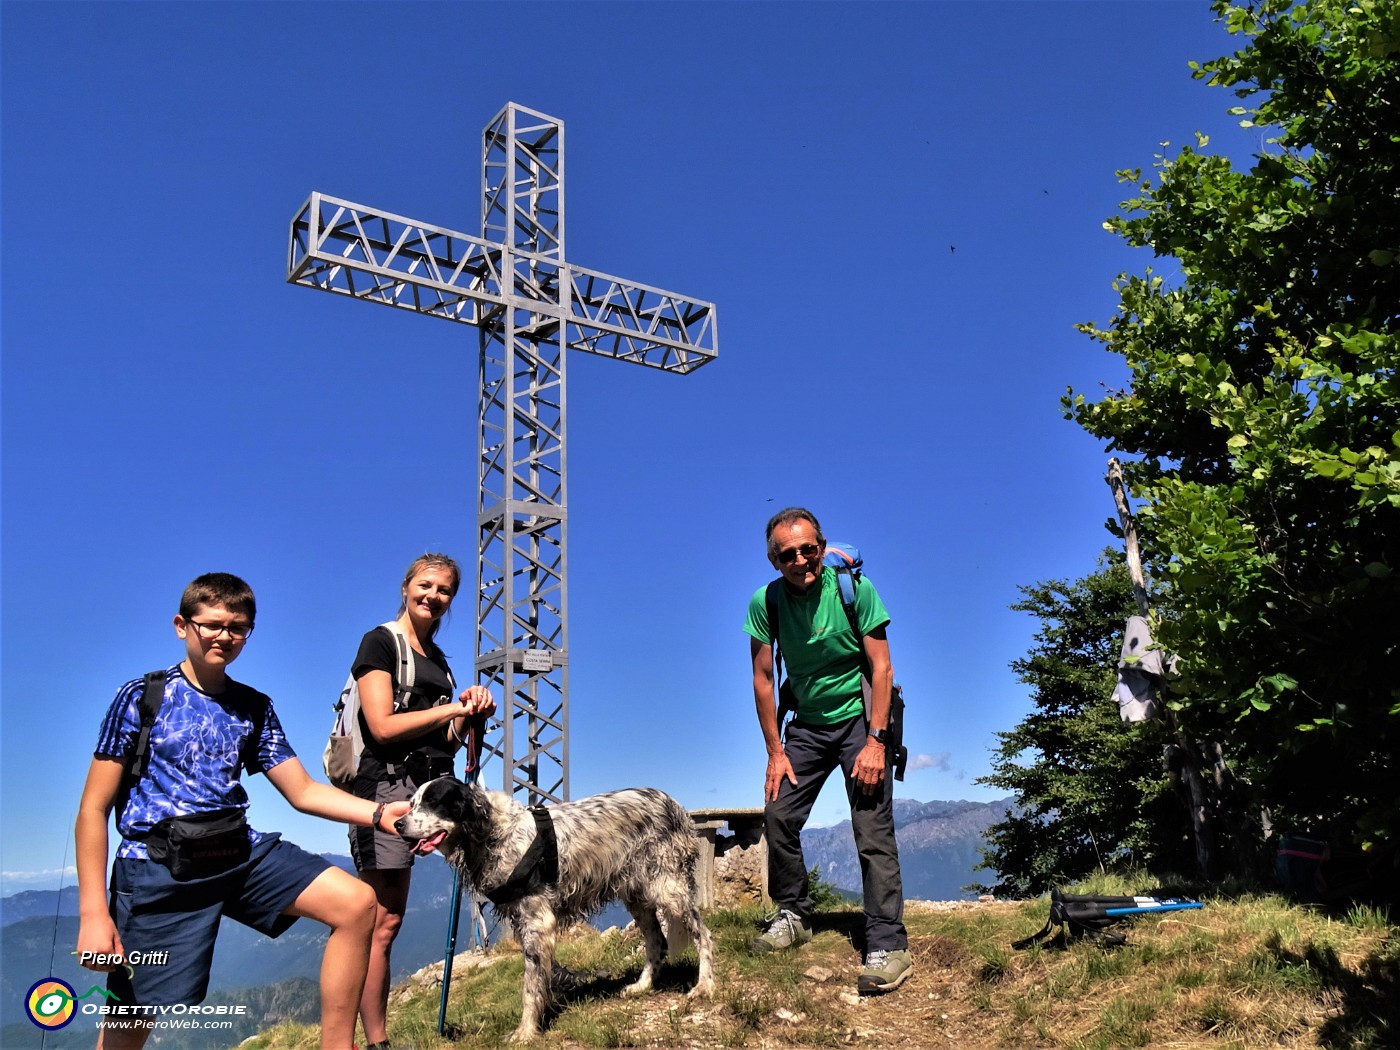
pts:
[379, 652]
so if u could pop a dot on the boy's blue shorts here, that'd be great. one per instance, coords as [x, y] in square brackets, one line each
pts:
[168, 928]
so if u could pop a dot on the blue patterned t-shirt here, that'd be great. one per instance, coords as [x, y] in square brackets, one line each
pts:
[197, 747]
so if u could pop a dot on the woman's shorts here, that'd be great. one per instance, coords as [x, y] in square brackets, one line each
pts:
[378, 850]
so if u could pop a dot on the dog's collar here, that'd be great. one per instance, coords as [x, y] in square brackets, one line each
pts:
[538, 869]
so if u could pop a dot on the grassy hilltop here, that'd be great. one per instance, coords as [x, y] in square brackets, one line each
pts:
[1247, 971]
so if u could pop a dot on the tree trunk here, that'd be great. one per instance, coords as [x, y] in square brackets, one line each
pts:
[1201, 828]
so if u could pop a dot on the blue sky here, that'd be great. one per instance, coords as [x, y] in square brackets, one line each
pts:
[896, 207]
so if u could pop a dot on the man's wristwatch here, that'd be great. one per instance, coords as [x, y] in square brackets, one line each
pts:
[378, 815]
[882, 735]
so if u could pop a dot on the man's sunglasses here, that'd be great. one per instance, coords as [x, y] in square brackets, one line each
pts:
[788, 555]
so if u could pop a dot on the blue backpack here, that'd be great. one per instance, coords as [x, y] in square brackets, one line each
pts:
[846, 560]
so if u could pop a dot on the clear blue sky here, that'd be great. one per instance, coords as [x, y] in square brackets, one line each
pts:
[896, 207]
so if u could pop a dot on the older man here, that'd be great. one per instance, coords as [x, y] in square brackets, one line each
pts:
[825, 660]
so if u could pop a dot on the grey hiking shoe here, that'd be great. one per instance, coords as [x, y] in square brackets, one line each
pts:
[884, 971]
[786, 931]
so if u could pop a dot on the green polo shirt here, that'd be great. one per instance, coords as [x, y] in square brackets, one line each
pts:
[820, 654]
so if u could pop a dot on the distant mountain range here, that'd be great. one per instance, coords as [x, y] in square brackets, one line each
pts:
[38, 904]
[939, 845]
[276, 979]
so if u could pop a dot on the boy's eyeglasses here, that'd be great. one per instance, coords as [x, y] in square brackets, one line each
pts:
[210, 631]
[788, 555]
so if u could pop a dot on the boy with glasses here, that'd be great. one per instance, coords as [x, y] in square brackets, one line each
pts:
[187, 858]
[825, 660]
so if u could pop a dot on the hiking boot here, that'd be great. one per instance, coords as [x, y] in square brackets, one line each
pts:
[786, 931]
[884, 971]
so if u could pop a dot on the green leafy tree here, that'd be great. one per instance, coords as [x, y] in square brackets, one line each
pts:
[1261, 424]
[1090, 789]
[822, 893]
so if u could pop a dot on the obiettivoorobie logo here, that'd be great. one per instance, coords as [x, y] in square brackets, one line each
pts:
[50, 1002]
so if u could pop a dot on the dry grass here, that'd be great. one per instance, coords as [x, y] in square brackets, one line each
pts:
[1248, 972]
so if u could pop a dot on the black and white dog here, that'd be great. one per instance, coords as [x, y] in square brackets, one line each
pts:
[546, 869]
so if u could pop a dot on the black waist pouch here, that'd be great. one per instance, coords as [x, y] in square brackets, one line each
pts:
[199, 846]
[424, 766]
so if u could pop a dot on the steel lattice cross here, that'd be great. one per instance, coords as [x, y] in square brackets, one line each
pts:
[529, 306]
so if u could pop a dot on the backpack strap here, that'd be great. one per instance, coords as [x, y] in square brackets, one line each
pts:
[846, 561]
[1056, 918]
[402, 676]
[784, 699]
[846, 587]
[405, 672]
[771, 599]
[402, 672]
[1026, 942]
[249, 757]
[405, 668]
[152, 696]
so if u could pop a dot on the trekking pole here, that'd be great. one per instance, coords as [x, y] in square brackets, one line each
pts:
[455, 911]
[453, 914]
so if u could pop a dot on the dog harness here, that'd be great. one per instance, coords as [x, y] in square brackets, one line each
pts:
[537, 870]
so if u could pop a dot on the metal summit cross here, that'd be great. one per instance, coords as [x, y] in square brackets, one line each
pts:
[529, 306]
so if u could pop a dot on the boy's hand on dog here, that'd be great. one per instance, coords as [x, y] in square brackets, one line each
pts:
[392, 812]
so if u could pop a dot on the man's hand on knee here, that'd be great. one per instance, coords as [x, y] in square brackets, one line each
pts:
[778, 768]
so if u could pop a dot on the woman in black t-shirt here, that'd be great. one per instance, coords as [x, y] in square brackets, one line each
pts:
[406, 744]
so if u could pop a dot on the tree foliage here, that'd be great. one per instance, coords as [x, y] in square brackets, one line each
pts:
[1261, 425]
[1090, 789]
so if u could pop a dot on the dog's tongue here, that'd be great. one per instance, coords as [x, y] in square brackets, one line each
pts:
[425, 846]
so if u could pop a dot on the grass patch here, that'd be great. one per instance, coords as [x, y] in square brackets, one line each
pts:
[601, 1028]
[1126, 1021]
[1366, 918]
[1241, 972]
